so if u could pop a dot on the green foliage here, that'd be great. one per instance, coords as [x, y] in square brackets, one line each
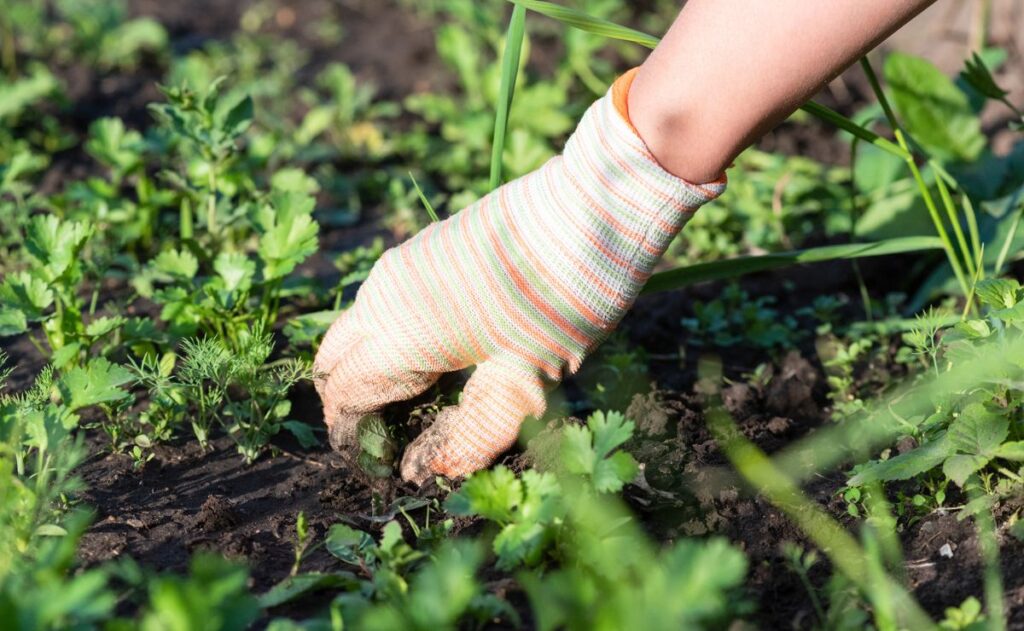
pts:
[219, 385]
[214, 596]
[934, 110]
[973, 433]
[737, 319]
[528, 510]
[587, 451]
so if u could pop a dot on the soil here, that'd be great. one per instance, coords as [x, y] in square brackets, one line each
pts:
[186, 499]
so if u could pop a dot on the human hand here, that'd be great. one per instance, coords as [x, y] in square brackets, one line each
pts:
[522, 284]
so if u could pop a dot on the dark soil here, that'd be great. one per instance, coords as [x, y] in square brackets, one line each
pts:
[187, 499]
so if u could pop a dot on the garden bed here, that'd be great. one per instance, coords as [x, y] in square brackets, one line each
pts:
[182, 499]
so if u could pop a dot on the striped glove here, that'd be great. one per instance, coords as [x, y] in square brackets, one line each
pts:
[522, 284]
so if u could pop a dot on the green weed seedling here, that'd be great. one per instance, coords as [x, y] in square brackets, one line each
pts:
[101, 34]
[241, 290]
[40, 452]
[217, 385]
[207, 130]
[973, 432]
[48, 292]
[737, 319]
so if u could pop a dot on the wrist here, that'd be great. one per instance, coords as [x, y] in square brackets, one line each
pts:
[683, 142]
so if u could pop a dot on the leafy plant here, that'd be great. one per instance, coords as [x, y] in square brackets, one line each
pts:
[218, 385]
[737, 319]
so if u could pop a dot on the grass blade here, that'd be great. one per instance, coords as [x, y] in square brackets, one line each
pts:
[732, 268]
[1004, 251]
[423, 199]
[507, 88]
[585, 22]
[828, 535]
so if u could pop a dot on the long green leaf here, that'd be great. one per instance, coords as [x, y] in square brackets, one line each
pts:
[589, 23]
[732, 268]
[509, 72]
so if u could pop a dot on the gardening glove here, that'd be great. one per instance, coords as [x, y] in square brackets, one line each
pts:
[522, 284]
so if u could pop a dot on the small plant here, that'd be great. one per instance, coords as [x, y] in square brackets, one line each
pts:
[216, 385]
[840, 360]
[738, 319]
[240, 291]
[208, 130]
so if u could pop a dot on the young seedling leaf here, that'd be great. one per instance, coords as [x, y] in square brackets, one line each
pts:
[350, 545]
[492, 494]
[906, 465]
[998, 293]
[295, 586]
[54, 244]
[290, 234]
[27, 295]
[587, 451]
[303, 433]
[177, 264]
[99, 381]
[978, 431]
[236, 270]
[960, 467]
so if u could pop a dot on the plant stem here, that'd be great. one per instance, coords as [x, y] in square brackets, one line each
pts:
[211, 201]
[185, 219]
[954, 220]
[1004, 252]
[926, 195]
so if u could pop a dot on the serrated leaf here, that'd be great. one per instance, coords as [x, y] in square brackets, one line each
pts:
[114, 145]
[492, 494]
[290, 237]
[978, 431]
[348, 544]
[906, 465]
[65, 354]
[54, 244]
[978, 76]
[27, 294]
[12, 322]
[99, 381]
[610, 431]
[577, 450]
[998, 293]
[974, 329]
[585, 451]
[933, 109]
[102, 326]
[236, 270]
[518, 543]
[611, 474]
[960, 467]
[178, 264]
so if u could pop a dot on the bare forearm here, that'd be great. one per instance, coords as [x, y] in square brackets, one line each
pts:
[729, 70]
